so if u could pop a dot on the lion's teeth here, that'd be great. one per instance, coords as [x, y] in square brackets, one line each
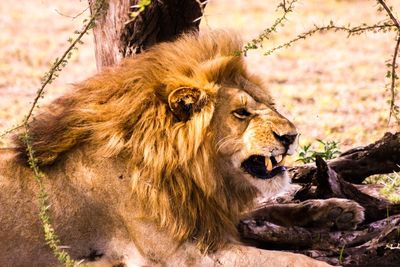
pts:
[278, 158]
[282, 162]
[268, 164]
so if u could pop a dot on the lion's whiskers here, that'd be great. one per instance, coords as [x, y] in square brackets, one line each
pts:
[228, 140]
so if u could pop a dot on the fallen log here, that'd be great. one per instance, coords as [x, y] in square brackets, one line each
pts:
[330, 184]
[357, 247]
[376, 242]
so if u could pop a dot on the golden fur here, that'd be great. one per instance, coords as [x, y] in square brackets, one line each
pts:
[178, 166]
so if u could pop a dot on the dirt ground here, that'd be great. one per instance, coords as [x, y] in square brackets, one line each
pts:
[332, 87]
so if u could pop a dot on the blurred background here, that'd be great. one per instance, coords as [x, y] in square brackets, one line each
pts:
[332, 87]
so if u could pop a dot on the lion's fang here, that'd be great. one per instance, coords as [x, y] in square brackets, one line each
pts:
[268, 164]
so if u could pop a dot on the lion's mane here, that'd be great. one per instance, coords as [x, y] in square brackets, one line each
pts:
[122, 112]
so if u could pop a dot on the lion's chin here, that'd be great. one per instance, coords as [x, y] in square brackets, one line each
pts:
[270, 187]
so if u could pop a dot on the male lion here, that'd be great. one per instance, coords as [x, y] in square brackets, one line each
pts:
[154, 161]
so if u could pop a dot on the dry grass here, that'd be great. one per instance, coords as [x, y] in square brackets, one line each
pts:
[330, 86]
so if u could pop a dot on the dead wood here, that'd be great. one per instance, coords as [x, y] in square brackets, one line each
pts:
[373, 243]
[330, 184]
[369, 242]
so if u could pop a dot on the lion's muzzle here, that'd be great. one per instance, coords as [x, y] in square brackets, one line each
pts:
[264, 167]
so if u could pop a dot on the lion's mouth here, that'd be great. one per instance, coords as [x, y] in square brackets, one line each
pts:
[264, 167]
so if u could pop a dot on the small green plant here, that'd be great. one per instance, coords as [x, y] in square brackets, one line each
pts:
[341, 254]
[140, 7]
[391, 185]
[390, 189]
[326, 150]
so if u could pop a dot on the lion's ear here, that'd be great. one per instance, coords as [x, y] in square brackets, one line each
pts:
[185, 101]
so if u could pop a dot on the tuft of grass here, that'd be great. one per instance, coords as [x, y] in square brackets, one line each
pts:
[325, 149]
[390, 189]
[391, 185]
[341, 254]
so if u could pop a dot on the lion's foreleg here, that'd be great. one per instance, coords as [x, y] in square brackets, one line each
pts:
[318, 213]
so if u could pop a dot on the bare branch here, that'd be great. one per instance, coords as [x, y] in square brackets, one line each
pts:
[390, 13]
[255, 43]
[350, 30]
[72, 17]
[10, 130]
[59, 62]
[394, 77]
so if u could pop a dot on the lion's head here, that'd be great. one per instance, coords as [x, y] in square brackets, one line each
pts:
[200, 135]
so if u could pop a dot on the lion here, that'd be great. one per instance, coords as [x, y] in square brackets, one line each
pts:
[153, 163]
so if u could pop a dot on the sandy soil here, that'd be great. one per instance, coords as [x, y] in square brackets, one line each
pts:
[332, 87]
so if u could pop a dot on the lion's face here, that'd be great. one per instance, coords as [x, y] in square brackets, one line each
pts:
[251, 138]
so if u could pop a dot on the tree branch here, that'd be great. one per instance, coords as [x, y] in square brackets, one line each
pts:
[393, 77]
[390, 13]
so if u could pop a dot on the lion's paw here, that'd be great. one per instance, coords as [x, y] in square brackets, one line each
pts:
[340, 213]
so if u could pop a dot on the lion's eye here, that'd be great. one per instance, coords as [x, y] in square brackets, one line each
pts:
[241, 113]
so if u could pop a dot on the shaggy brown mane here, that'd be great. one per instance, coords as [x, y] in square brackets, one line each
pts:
[123, 111]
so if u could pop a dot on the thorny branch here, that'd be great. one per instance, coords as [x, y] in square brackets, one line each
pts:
[257, 42]
[393, 78]
[350, 30]
[10, 130]
[60, 62]
[385, 26]
[72, 17]
[389, 12]
[393, 75]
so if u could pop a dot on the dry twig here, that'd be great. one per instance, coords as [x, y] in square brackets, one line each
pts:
[257, 42]
[393, 65]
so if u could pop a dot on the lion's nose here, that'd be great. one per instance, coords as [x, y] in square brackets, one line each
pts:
[286, 140]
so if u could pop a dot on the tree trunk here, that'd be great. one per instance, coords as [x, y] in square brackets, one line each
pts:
[117, 35]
